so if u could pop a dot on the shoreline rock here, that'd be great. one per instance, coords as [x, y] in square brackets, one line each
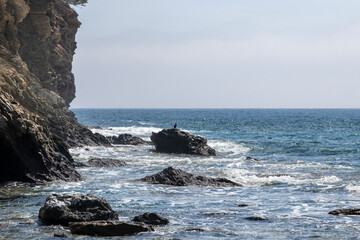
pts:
[37, 44]
[151, 219]
[176, 141]
[345, 211]
[127, 139]
[64, 208]
[107, 228]
[101, 162]
[177, 177]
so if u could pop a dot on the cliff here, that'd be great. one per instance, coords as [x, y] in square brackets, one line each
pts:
[37, 44]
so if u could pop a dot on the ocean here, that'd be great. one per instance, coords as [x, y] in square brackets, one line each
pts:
[309, 164]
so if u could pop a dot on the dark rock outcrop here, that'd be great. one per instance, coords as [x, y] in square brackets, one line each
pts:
[151, 219]
[176, 141]
[346, 211]
[177, 177]
[127, 139]
[64, 208]
[107, 228]
[37, 43]
[101, 162]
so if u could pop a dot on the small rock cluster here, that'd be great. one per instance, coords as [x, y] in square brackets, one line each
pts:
[90, 215]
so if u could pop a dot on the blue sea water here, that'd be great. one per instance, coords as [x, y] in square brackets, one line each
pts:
[309, 165]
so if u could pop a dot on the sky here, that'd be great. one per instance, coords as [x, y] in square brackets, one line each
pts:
[218, 54]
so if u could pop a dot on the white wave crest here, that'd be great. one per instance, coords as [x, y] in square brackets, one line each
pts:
[143, 132]
[353, 188]
[228, 147]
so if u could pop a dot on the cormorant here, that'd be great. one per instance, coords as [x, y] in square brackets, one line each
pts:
[175, 125]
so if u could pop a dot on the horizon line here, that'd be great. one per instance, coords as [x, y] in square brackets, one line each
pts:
[222, 108]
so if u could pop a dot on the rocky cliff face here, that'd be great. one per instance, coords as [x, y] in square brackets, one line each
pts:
[37, 43]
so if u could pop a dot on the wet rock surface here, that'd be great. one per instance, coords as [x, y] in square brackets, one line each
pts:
[176, 141]
[177, 177]
[151, 219]
[101, 162]
[346, 211]
[127, 139]
[107, 228]
[64, 208]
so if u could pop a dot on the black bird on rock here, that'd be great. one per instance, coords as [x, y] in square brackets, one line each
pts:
[175, 125]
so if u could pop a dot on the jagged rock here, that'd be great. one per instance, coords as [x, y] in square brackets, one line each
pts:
[177, 177]
[29, 151]
[37, 43]
[151, 219]
[101, 162]
[107, 228]
[64, 208]
[346, 211]
[127, 139]
[176, 141]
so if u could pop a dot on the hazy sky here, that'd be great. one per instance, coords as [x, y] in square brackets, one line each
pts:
[218, 54]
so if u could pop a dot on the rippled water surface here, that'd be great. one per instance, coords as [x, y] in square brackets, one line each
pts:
[309, 165]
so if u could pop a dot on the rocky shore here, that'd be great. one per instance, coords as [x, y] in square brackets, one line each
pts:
[37, 44]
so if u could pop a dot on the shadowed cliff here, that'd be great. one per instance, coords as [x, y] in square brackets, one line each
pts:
[37, 44]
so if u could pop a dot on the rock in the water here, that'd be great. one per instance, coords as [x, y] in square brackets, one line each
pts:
[101, 162]
[176, 141]
[177, 177]
[127, 139]
[256, 219]
[151, 219]
[250, 159]
[243, 205]
[346, 211]
[64, 208]
[107, 228]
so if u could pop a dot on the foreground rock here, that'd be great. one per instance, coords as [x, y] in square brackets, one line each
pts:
[37, 44]
[62, 209]
[107, 228]
[176, 141]
[151, 219]
[101, 162]
[127, 139]
[346, 211]
[177, 177]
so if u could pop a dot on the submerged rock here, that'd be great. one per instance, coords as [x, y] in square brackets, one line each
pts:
[256, 219]
[177, 177]
[127, 139]
[243, 205]
[101, 162]
[151, 219]
[176, 141]
[107, 228]
[251, 159]
[346, 211]
[64, 208]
